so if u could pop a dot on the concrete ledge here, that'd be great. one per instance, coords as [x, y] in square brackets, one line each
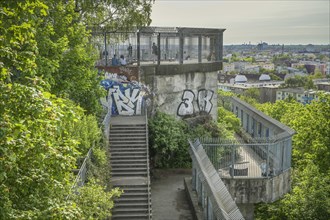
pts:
[193, 200]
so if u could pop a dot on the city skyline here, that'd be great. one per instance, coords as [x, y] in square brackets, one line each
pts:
[273, 22]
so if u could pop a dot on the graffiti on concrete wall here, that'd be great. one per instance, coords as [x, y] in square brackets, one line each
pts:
[204, 102]
[126, 97]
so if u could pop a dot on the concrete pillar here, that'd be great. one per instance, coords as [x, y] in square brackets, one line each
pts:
[181, 43]
[158, 52]
[138, 49]
[199, 48]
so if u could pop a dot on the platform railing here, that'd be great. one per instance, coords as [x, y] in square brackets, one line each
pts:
[213, 196]
[258, 159]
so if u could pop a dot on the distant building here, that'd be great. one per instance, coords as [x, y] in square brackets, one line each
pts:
[228, 67]
[264, 77]
[299, 94]
[325, 86]
[268, 66]
[267, 89]
[240, 79]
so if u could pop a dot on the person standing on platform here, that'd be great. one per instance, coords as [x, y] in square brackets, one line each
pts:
[154, 52]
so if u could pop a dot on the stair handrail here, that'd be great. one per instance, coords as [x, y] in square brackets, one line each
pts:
[81, 176]
[148, 171]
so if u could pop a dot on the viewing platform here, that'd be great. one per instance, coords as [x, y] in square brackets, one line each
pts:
[161, 45]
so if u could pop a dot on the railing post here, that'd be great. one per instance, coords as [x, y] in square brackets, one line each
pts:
[138, 49]
[232, 161]
[267, 161]
[105, 49]
[193, 179]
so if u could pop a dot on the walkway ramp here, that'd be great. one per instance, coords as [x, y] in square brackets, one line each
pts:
[130, 167]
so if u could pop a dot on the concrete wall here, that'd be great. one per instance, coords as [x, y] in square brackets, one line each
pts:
[183, 90]
[248, 191]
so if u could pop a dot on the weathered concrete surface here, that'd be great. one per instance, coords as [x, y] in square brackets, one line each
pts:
[248, 191]
[197, 211]
[168, 197]
[193, 86]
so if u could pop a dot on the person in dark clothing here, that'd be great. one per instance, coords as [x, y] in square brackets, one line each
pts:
[154, 51]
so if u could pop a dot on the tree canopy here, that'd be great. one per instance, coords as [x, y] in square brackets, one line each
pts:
[49, 98]
[310, 195]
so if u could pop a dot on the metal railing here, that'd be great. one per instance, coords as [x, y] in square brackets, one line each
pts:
[258, 159]
[82, 173]
[212, 193]
[153, 45]
[148, 167]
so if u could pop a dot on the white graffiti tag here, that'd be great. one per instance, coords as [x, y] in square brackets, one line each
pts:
[186, 107]
[204, 100]
[128, 103]
[204, 103]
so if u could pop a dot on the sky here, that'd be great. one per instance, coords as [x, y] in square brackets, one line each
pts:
[247, 21]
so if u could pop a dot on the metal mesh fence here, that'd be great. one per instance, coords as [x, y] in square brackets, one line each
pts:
[237, 159]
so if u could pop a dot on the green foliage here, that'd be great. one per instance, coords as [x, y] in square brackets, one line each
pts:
[228, 122]
[37, 151]
[310, 194]
[168, 136]
[309, 198]
[168, 141]
[46, 53]
[253, 93]
[282, 60]
[299, 81]
[94, 201]
[249, 59]
[114, 15]
[46, 39]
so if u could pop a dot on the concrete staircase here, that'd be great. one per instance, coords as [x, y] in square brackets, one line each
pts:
[130, 167]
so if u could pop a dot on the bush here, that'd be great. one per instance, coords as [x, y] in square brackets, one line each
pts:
[168, 138]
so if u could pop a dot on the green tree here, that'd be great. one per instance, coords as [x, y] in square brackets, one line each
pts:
[309, 198]
[252, 93]
[114, 15]
[168, 141]
[37, 151]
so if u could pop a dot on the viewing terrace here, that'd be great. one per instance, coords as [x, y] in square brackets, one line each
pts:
[235, 174]
[176, 45]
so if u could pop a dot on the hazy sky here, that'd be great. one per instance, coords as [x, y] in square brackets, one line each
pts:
[274, 22]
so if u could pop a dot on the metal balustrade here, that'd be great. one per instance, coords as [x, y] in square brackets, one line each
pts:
[212, 193]
[176, 45]
[260, 158]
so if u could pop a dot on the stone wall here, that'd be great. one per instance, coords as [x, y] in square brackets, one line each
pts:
[183, 90]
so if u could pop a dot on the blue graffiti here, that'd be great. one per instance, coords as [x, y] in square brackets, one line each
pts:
[127, 97]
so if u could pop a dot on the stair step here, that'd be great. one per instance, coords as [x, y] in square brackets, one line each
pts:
[131, 138]
[133, 141]
[123, 153]
[123, 128]
[121, 200]
[137, 189]
[130, 216]
[127, 173]
[128, 149]
[115, 169]
[113, 145]
[128, 157]
[128, 132]
[136, 161]
[131, 204]
[143, 210]
[134, 194]
[142, 165]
